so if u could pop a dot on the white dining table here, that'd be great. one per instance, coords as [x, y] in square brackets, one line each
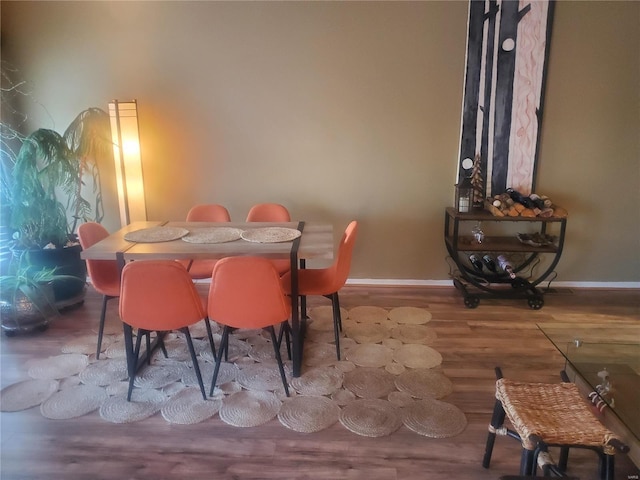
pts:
[315, 242]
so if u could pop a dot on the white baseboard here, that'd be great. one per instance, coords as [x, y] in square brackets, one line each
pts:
[448, 283]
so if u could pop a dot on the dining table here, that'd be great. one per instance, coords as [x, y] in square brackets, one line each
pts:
[315, 242]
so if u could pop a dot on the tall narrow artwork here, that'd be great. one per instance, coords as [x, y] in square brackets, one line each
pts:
[507, 52]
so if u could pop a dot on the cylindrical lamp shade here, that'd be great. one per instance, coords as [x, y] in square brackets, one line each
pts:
[128, 162]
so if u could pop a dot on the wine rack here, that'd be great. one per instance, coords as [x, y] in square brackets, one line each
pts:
[502, 239]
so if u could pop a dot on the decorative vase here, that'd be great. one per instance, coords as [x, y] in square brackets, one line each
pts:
[20, 314]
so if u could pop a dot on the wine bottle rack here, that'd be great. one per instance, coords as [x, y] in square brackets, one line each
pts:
[474, 284]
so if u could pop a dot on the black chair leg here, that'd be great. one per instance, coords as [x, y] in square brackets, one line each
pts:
[133, 361]
[497, 419]
[210, 335]
[194, 359]
[224, 343]
[337, 322]
[527, 463]
[285, 330]
[276, 349]
[103, 314]
[563, 460]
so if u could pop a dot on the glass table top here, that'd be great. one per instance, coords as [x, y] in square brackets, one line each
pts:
[608, 360]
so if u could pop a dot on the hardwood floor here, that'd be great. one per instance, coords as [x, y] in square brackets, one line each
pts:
[472, 342]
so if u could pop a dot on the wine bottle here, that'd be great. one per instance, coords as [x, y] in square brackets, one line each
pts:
[520, 198]
[476, 262]
[489, 262]
[506, 266]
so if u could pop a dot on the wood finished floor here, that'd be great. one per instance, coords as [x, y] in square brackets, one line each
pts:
[472, 342]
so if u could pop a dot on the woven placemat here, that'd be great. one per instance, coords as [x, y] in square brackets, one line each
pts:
[259, 376]
[395, 368]
[157, 376]
[434, 418]
[369, 382]
[319, 381]
[73, 402]
[414, 334]
[318, 354]
[59, 366]
[228, 372]
[270, 234]
[26, 394]
[367, 332]
[400, 399]
[213, 235]
[249, 408]
[424, 383]
[371, 417]
[370, 355]
[156, 234]
[187, 407]
[309, 414]
[144, 403]
[368, 314]
[104, 372]
[325, 312]
[265, 353]
[417, 356]
[343, 396]
[410, 315]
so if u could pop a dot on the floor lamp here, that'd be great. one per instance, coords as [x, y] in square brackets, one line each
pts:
[126, 152]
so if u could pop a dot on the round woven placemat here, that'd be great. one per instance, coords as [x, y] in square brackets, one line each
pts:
[117, 349]
[417, 356]
[213, 235]
[319, 381]
[319, 354]
[308, 414]
[143, 404]
[228, 372]
[368, 314]
[367, 332]
[325, 312]
[187, 407]
[265, 353]
[259, 376]
[157, 376]
[59, 366]
[434, 418]
[410, 315]
[424, 383]
[249, 408]
[400, 399]
[414, 334]
[395, 368]
[343, 396]
[104, 372]
[370, 355]
[371, 417]
[26, 394]
[368, 382]
[321, 324]
[155, 234]
[73, 402]
[270, 234]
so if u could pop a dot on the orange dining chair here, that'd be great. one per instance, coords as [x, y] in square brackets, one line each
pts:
[271, 212]
[159, 296]
[104, 274]
[211, 212]
[327, 281]
[246, 292]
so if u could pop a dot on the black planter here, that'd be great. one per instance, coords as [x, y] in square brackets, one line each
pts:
[66, 261]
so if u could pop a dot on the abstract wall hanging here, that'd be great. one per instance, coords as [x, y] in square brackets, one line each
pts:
[507, 52]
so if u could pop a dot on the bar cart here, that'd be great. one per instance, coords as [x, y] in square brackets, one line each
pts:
[520, 279]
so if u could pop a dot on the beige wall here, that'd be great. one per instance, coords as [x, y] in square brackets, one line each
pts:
[342, 110]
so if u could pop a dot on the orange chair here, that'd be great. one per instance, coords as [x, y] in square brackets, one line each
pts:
[271, 212]
[159, 296]
[104, 274]
[327, 281]
[245, 292]
[199, 269]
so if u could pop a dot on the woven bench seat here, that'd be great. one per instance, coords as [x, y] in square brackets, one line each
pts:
[550, 415]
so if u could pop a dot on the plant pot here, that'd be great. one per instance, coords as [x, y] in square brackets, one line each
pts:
[21, 315]
[67, 261]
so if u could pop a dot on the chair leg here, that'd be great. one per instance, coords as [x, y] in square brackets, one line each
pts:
[103, 314]
[224, 343]
[276, 349]
[133, 361]
[497, 420]
[194, 359]
[527, 463]
[285, 330]
[210, 335]
[337, 321]
[563, 460]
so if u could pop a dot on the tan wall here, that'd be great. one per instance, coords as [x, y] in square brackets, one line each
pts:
[342, 110]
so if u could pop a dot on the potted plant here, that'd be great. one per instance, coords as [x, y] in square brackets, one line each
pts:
[48, 199]
[27, 300]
